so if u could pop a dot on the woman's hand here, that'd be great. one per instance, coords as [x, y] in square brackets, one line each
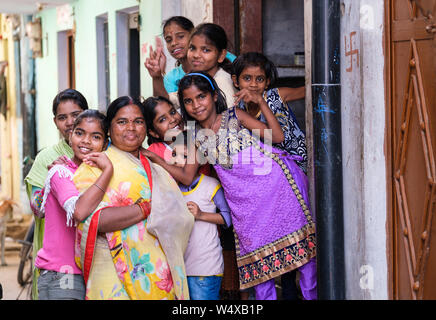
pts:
[291, 94]
[183, 175]
[3, 65]
[194, 209]
[274, 132]
[150, 155]
[99, 160]
[61, 160]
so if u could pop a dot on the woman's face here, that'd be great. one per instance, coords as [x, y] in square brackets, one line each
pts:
[177, 40]
[203, 56]
[66, 113]
[198, 104]
[87, 137]
[166, 118]
[128, 129]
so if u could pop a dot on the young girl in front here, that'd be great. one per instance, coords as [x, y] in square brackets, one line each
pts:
[60, 278]
[203, 48]
[254, 75]
[203, 257]
[275, 232]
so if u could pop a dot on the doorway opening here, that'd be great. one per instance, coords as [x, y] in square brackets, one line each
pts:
[66, 60]
[128, 52]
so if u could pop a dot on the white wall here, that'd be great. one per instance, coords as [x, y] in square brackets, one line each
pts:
[363, 138]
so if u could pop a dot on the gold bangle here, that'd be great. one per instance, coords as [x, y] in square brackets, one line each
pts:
[99, 187]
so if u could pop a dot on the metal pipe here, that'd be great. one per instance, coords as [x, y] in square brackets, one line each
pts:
[327, 146]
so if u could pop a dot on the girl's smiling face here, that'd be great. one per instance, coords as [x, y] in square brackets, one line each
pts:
[166, 119]
[198, 104]
[87, 137]
[177, 40]
[203, 56]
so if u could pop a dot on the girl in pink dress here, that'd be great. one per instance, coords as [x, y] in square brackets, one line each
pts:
[60, 278]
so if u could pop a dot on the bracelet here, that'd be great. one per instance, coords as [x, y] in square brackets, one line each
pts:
[99, 187]
[145, 208]
[142, 210]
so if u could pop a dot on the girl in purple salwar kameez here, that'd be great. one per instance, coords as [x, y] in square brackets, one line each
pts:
[267, 194]
[265, 189]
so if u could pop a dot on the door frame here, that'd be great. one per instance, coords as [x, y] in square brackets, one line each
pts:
[393, 221]
[247, 36]
[389, 145]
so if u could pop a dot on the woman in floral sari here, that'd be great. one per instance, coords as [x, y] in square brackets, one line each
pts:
[132, 245]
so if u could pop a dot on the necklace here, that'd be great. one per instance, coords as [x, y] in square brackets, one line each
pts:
[204, 141]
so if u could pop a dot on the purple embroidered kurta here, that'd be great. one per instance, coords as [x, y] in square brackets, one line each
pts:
[264, 206]
[267, 194]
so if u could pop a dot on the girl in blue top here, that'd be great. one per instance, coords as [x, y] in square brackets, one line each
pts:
[176, 33]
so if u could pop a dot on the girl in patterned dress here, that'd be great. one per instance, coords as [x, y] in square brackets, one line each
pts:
[255, 77]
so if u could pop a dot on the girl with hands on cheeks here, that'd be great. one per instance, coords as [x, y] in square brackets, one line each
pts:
[254, 75]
